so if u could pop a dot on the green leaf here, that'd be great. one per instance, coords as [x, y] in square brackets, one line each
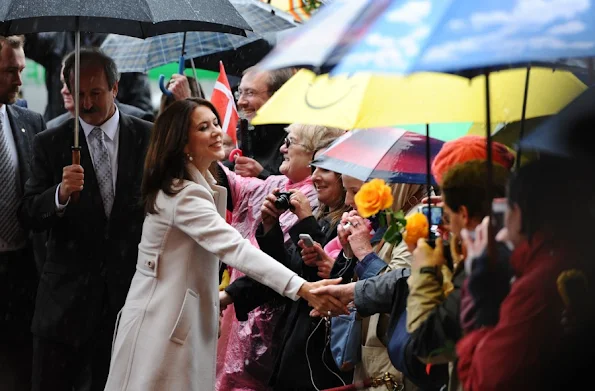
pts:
[393, 235]
[382, 218]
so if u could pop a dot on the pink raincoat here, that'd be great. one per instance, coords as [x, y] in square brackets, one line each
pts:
[245, 351]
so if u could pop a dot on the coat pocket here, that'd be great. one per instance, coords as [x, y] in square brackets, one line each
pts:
[188, 314]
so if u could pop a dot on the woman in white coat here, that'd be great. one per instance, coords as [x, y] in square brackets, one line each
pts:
[167, 332]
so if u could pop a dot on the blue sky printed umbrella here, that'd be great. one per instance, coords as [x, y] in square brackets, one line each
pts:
[137, 55]
[404, 36]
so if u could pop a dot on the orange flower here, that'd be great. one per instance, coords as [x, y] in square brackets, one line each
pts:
[373, 197]
[417, 227]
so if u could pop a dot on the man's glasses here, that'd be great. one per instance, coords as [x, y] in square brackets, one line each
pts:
[248, 94]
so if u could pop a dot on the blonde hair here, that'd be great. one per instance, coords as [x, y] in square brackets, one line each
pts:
[315, 137]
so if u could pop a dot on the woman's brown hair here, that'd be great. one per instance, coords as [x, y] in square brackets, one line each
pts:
[165, 163]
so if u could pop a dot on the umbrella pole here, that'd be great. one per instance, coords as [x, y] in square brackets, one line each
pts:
[429, 180]
[76, 149]
[491, 247]
[522, 133]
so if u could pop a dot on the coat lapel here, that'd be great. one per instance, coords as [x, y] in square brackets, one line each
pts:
[22, 142]
[128, 152]
[219, 193]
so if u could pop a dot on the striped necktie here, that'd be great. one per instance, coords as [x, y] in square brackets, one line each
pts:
[103, 169]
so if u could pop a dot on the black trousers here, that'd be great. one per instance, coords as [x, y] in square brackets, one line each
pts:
[18, 284]
[62, 367]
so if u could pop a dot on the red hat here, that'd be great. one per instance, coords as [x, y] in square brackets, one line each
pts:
[468, 148]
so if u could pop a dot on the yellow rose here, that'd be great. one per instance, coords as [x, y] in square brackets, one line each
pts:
[373, 197]
[417, 227]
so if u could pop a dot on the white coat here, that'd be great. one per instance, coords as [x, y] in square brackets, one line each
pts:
[167, 332]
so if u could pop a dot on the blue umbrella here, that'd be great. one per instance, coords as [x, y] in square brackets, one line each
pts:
[405, 36]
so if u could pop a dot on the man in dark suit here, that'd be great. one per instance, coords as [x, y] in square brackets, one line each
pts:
[92, 244]
[18, 277]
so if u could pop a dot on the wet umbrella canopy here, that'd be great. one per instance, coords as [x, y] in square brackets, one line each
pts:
[137, 18]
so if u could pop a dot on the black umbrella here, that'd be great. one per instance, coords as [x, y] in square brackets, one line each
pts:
[138, 18]
[236, 60]
[568, 133]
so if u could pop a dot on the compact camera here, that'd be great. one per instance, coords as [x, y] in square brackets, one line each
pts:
[282, 202]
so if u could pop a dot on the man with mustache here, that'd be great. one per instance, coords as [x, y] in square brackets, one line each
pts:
[69, 106]
[92, 244]
[18, 277]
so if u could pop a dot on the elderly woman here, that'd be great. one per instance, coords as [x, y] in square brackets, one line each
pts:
[167, 333]
[301, 362]
[245, 357]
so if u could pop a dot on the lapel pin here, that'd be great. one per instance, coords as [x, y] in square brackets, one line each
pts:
[23, 130]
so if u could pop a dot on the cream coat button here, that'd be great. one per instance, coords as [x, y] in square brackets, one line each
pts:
[150, 264]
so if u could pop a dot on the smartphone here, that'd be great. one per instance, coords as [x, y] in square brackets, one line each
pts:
[435, 214]
[307, 240]
[498, 208]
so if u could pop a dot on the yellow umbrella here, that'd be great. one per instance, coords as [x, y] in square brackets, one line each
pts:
[367, 101]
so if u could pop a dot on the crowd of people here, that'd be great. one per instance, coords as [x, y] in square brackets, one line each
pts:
[112, 268]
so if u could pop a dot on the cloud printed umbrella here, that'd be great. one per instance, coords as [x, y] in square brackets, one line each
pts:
[395, 155]
[405, 36]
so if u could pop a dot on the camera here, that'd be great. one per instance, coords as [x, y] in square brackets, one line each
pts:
[282, 201]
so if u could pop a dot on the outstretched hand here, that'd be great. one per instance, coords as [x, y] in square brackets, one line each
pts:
[323, 303]
[344, 293]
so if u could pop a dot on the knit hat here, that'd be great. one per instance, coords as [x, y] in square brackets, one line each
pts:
[468, 148]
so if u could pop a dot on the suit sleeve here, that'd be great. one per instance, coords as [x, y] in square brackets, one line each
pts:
[195, 215]
[375, 294]
[37, 210]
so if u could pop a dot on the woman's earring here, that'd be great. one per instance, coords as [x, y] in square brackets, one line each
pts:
[189, 157]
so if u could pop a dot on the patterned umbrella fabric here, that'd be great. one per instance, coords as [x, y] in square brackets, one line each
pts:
[395, 155]
[462, 36]
[137, 55]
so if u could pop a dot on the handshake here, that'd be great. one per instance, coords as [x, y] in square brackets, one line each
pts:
[327, 297]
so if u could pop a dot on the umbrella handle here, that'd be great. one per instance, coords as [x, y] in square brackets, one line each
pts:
[162, 87]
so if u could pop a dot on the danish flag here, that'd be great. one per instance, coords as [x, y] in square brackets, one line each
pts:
[223, 100]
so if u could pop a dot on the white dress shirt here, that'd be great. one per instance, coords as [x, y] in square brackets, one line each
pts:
[111, 128]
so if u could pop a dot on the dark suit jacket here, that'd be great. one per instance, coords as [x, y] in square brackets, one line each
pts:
[123, 107]
[25, 124]
[90, 258]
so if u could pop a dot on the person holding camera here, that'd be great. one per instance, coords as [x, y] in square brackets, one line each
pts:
[302, 351]
[246, 358]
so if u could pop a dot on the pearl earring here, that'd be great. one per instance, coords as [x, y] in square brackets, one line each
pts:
[189, 157]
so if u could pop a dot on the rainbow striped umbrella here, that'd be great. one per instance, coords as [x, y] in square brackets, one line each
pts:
[392, 154]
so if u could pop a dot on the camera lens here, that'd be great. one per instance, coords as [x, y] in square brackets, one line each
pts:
[282, 201]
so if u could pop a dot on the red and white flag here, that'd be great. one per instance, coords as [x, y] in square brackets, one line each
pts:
[223, 100]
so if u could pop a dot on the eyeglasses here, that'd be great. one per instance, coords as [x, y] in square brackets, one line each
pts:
[249, 94]
[288, 142]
